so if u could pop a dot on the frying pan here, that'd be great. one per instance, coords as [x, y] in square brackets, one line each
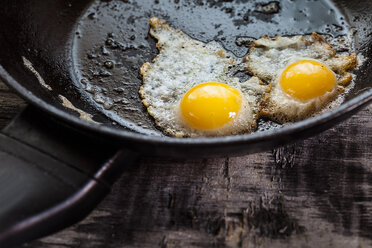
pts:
[77, 64]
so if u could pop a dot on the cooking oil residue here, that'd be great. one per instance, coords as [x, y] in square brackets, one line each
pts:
[112, 41]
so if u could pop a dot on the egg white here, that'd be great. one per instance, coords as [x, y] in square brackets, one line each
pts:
[182, 63]
[267, 59]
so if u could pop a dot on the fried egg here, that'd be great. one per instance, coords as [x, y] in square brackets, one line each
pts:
[189, 91]
[306, 73]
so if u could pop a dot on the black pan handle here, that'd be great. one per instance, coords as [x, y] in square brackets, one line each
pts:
[51, 176]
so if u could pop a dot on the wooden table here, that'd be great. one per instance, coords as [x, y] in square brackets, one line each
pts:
[316, 193]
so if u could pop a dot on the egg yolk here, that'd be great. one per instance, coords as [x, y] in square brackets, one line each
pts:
[307, 79]
[210, 105]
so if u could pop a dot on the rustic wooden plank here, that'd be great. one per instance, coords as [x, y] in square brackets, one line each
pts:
[316, 193]
[10, 104]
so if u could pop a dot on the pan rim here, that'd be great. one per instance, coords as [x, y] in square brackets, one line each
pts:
[355, 103]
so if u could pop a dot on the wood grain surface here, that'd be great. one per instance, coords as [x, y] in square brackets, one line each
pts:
[315, 193]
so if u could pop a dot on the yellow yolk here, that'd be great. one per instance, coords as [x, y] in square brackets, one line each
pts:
[307, 79]
[210, 105]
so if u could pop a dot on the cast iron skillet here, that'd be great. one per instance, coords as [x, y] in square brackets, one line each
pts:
[79, 60]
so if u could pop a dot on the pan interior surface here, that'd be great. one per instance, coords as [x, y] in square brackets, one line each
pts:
[111, 43]
[82, 58]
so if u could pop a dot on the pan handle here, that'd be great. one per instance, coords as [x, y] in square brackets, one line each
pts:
[51, 176]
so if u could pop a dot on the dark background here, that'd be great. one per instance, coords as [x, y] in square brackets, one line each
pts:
[315, 193]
